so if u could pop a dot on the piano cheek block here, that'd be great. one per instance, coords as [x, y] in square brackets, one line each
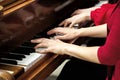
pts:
[5, 75]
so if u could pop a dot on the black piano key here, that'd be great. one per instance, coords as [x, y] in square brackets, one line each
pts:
[8, 61]
[24, 50]
[29, 44]
[14, 56]
[36, 36]
[41, 35]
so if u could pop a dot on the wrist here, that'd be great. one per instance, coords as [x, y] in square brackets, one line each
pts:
[87, 17]
[81, 32]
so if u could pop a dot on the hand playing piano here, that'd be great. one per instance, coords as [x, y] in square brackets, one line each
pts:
[55, 45]
[49, 45]
[78, 17]
[65, 33]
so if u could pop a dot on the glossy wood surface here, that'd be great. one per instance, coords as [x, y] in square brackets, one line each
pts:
[20, 23]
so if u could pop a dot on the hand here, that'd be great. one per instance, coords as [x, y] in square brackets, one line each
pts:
[49, 45]
[76, 19]
[79, 11]
[64, 33]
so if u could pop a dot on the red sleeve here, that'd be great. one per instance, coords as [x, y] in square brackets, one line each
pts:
[101, 15]
[109, 53]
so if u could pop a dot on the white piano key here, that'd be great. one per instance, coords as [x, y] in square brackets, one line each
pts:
[30, 60]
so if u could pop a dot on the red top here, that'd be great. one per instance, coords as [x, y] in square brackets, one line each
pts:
[109, 53]
[101, 15]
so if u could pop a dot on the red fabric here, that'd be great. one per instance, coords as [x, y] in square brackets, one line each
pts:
[101, 15]
[109, 53]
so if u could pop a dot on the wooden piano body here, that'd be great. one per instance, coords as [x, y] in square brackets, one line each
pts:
[23, 20]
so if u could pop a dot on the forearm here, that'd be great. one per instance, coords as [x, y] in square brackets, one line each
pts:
[86, 12]
[58, 47]
[95, 31]
[84, 53]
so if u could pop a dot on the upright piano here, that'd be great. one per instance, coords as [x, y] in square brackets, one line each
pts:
[23, 20]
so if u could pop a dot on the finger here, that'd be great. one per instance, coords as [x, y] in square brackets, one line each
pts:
[74, 13]
[66, 24]
[41, 52]
[71, 25]
[58, 40]
[52, 31]
[58, 30]
[39, 40]
[62, 23]
[44, 51]
[61, 37]
[36, 40]
[41, 45]
[39, 49]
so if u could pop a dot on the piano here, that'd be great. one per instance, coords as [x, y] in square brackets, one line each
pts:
[23, 20]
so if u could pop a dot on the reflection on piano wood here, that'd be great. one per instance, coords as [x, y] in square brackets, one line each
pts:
[10, 3]
[1, 11]
[21, 23]
[6, 2]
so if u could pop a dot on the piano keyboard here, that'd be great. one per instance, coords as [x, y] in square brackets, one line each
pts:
[26, 62]
[24, 57]
[30, 60]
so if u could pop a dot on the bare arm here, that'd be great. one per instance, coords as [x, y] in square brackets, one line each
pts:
[80, 16]
[83, 52]
[67, 33]
[95, 31]
[59, 47]
[79, 11]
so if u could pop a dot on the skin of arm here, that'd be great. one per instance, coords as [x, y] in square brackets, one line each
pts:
[81, 15]
[55, 46]
[79, 11]
[67, 33]
[99, 31]
[86, 10]
[81, 52]
[84, 15]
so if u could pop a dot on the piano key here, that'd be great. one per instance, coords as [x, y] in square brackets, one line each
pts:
[14, 56]
[24, 50]
[18, 54]
[26, 62]
[8, 61]
[36, 36]
[30, 60]
[41, 35]
[29, 44]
